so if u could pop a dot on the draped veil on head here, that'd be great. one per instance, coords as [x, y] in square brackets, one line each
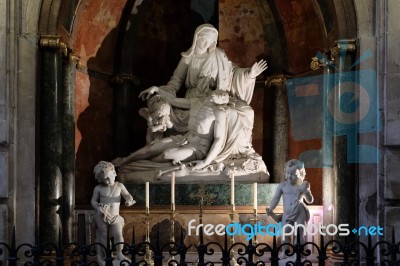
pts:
[203, 27]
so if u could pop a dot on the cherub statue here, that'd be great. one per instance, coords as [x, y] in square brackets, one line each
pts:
[106, 201]
[293, 190]
[157, 117]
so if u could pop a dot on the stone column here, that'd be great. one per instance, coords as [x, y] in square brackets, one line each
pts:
[68, 146]
[345, 135]
[328, 173]
[50, 137]
[280, 126]
[123, 112]
[338, 138]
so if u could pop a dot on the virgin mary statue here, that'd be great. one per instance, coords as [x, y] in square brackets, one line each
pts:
[205, 68]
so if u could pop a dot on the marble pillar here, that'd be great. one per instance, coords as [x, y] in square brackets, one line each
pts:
[280, 127]
[344, 141]
[68, 146]
[328, 173]
[50, 179]
[124, 100]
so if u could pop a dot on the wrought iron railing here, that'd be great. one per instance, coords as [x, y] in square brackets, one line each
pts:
[175, 253]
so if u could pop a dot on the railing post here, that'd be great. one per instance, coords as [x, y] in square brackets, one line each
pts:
[370, 252]
[201, 249]
[250, 253]
[108, 250]
[182, 250]
[298, 248]
[158, 256]
[322, 252]
[60, 251]
[274, 252]
[132, 248]
[225, 252]
[12, 256]
[36, 248]
[394, 249]
[83, 248]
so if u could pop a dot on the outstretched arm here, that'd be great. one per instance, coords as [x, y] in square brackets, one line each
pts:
[219, 138]
[176, 102]
[257, 68]
[127, 196]
[175, 83]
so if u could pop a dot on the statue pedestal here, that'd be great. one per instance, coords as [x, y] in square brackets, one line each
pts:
[248, 170]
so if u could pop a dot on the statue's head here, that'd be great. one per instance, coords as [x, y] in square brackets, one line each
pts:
[204, 40]
[219, 97]
[159, 106]
[294, 171]
[104, 172]
[163, 110]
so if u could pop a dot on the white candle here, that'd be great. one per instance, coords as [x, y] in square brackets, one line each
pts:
[147, 195]
[173, 189]
[255, 196]
[232, 175]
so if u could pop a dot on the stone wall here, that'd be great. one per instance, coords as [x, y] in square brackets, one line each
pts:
[18, 53]
[379, 33]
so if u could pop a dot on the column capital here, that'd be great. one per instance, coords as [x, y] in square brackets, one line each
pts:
[277, 80]
[339, 47]
[53, 41]
[343, 45]
[121, 78]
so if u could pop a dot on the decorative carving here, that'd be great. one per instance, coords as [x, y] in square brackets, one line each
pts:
[75, 58]
[294, 190]
[54, 41]
[106, 201]
[211, 126]
[339, 47]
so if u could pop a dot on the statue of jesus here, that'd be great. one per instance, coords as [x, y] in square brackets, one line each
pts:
[203, 141]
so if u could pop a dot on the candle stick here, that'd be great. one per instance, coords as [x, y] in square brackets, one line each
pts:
[173, 190]
[232, 175]
[255, 196]
[147, 195]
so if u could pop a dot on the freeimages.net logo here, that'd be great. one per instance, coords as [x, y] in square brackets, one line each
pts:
[341, 103]
[279, 229]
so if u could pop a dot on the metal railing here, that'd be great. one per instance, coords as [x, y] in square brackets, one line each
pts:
[175, 253]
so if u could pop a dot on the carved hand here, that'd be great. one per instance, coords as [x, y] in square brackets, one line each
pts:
[146, 94]
[305, 186]
[130, 202]
[257, 68]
